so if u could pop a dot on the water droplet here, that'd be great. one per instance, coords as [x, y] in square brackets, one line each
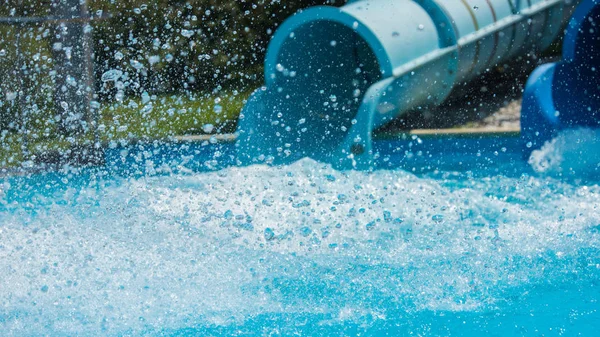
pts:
[136, 64]
[71, 81]
[153, 59]
[387, 216]
[187, 33]
[111, 75]
[145, 97]
[11, 95]
[305, 231]
[421, 27]
[269, 234]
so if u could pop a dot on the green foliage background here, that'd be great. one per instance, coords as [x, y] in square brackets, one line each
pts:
[227, 46]
[183, 46]
[197, 60]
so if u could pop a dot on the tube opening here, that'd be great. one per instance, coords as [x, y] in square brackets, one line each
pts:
[322, 71]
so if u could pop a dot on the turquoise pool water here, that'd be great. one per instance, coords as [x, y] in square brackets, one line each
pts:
[471, 245]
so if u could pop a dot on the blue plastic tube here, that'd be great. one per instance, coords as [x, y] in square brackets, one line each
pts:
[566, 94]
[333, 75]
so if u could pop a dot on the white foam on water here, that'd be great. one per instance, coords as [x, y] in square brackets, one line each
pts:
[169, 252]
[573, 153]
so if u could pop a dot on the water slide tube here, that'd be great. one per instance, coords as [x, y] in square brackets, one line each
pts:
[333, 75]
[566, 94]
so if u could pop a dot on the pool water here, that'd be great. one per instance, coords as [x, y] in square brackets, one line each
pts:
[496, 250]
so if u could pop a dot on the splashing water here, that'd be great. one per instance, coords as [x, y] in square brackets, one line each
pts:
[573, 153]
[298, 249]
